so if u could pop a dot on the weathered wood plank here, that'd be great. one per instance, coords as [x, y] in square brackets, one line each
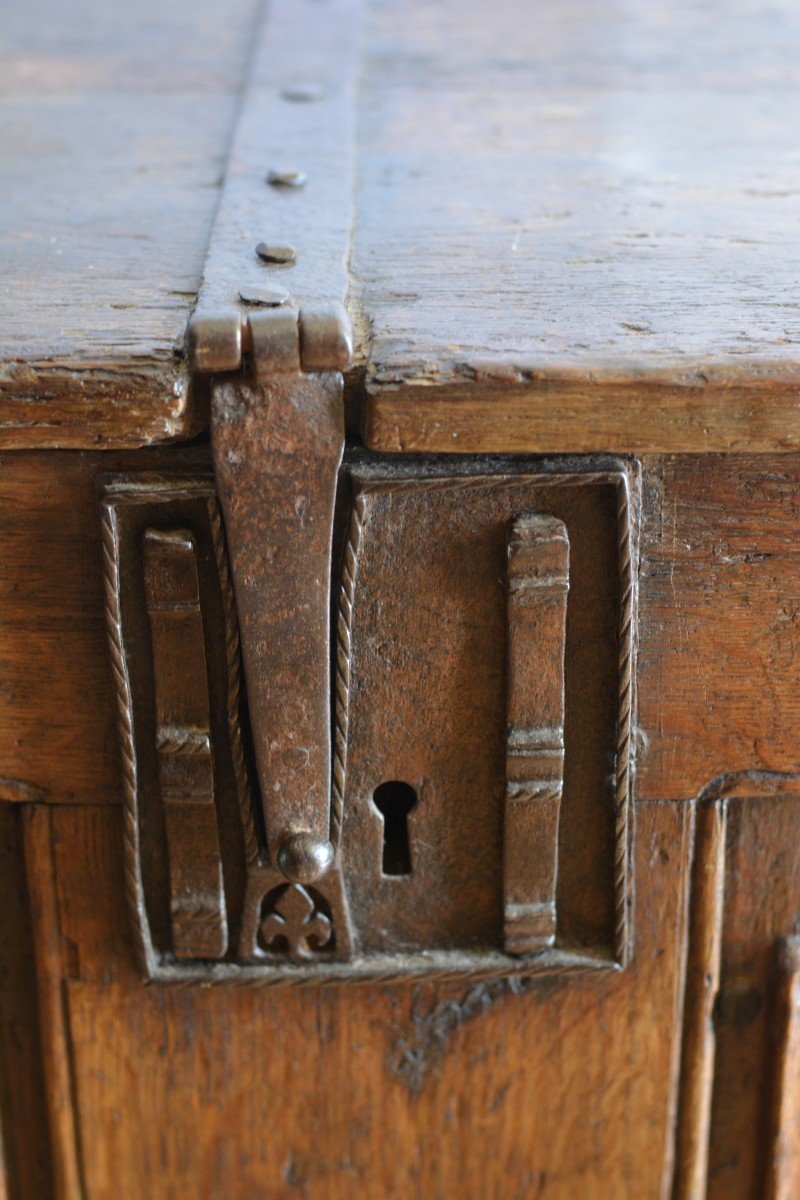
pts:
[783, 1171]
[558, 243]
[115, 121]
[578, 410]
[584, 183]
[579, 222]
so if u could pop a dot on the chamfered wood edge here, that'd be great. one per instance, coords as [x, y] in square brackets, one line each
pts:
[52, 406]
[124, 404]
[506, 410]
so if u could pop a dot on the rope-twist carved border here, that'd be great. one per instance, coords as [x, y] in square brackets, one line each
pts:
[344, 622]
[232, 974]
[134, 890]
[234, 671]
[623, 877]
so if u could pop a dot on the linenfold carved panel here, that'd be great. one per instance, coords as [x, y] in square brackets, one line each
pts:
[739, 1104]
[482, 698]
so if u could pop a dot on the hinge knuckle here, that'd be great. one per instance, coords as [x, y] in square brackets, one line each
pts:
[326, 338]
[274, 341]
[214, 342]
[280, 341]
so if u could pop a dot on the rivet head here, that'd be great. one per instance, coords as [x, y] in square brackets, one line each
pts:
[303, 91]
[276, 254]
[303, 857]
[289, 177]
[263, 297]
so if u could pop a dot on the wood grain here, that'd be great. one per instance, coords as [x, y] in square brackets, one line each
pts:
[115, 125]
[557, 243]
[567, 410]
[702, 986]
[57, 736]
[762, 896]
[26, 1169]
[719, 610]
[560, 202]
[783, 1170]
[345, 1090]
[549, 1070]
[37, 833]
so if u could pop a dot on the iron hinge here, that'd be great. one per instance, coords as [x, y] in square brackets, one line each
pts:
[278, 341]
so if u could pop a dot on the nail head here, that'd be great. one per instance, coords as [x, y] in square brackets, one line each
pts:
[275, 254]
[302, 858]
[290, 178]
[263, 297]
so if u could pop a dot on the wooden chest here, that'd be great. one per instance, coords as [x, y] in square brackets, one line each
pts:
[400, 476]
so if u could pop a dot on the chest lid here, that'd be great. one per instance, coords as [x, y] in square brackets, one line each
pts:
[565, 230]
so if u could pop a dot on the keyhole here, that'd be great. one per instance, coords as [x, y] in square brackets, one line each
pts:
[394, 800]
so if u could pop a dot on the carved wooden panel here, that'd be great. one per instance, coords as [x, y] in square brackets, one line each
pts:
[447, 668]
[737, 1132]
[482, 703]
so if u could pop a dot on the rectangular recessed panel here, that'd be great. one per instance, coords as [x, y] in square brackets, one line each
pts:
[482, 708]
[439, 645]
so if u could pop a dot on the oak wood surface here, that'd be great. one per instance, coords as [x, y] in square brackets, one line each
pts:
[762, 886]
[26, 1164]
[576, 198]
[574, 227]
[719, 610]
[532, 412]
[446, 1089]
[371, 1090]
[49, 965]
[115, 122]
[783, 1170]
[702, 986]
[57, 736]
